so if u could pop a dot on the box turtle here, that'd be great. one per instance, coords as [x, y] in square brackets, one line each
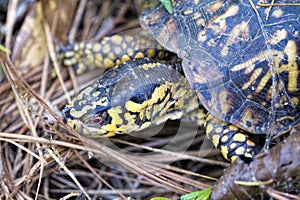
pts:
[241, 58]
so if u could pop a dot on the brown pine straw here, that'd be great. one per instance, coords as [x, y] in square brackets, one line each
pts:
[36, 145]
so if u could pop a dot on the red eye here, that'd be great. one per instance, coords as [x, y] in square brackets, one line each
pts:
[97, 120]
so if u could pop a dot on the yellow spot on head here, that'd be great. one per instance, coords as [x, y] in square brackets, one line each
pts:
[115, 115]
[134, 107]
[110, 127]
[110, 134]
[128, 117]
[141, 115]
[73, 124]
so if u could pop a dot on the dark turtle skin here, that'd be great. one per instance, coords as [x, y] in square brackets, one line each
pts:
[132, 96]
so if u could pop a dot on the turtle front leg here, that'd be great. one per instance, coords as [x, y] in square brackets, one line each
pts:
[231, 140]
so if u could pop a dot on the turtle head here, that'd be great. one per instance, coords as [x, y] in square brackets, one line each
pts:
[88, 113]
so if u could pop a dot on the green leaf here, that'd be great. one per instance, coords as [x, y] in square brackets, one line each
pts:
[159, 198]
[168, 5]
[198, 195]
[2, 48]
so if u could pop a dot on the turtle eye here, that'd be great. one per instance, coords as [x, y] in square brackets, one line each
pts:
[96, 120]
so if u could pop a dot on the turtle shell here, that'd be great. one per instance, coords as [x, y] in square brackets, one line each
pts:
[241, 57]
